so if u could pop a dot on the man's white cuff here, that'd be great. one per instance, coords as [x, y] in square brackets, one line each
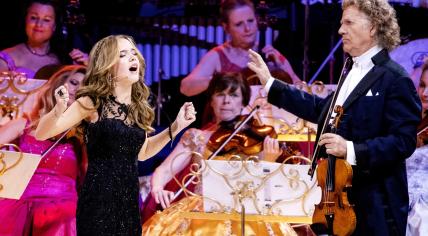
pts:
[269, 84]
[350, 153]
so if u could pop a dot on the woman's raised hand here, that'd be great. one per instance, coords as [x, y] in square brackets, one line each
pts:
[61, 98]
[186, 116]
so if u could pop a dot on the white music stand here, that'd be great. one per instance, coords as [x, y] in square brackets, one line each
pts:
[16, 170]
[265, 188]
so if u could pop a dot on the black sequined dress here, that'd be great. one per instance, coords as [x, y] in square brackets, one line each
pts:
[108, 203]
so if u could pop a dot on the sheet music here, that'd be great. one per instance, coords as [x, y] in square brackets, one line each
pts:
[278, 189]
[14, 180]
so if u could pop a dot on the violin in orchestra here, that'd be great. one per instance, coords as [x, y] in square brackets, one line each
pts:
[249, 140]
[422, 132]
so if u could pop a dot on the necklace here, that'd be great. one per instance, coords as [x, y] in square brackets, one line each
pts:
[32, 51]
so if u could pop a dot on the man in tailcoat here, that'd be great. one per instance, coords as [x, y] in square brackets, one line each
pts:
[381, 112]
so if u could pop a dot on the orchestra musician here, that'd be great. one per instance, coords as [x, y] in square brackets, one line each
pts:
[228, 95]
[239, 20]
[48, 204]
[43, 46]
[417, 166]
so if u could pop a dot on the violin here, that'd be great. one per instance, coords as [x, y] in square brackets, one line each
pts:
[422, 132]
[243, 134]
[334, 213]
[248, 141]
[75, 132]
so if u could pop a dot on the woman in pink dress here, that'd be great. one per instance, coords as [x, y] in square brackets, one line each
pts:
[48, 204]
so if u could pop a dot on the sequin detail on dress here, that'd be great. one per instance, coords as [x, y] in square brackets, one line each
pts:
[108, 202]
[48, 205]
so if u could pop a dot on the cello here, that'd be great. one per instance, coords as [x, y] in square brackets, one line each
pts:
[264, 21]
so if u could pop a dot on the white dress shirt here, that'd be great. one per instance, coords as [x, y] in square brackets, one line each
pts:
[362, 65]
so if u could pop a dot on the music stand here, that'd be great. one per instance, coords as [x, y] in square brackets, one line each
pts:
[259, 189]
[16, 170]
[267, 188]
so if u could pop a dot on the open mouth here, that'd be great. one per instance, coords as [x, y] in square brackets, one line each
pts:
[133, 68]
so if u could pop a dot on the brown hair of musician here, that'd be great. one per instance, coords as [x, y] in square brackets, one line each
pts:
[223, 81]
[423, 88]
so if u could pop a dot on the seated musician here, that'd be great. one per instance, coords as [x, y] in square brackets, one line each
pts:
[44, 44]
[238, 18]
[240, 23]
[48, 204]
[228, 96]
[417, 167]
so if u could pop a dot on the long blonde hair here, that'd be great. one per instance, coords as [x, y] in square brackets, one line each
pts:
[46, 97]
[99, 80]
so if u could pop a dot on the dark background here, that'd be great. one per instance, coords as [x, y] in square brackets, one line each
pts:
[103, 17]
[125, 16]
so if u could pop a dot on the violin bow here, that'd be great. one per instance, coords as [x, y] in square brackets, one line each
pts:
[56, 143]
[250, 115]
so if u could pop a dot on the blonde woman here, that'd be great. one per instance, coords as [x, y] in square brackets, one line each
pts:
[48, 204]
[112, 107]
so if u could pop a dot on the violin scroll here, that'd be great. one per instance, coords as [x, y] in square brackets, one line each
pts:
[339, 113]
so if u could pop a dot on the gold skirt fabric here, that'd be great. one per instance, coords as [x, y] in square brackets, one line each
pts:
[175, 221]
